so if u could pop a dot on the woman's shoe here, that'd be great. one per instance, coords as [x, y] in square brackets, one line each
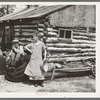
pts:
[35, 85]
[41, 85]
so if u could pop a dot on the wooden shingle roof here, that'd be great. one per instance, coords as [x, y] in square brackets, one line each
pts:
[33, 13]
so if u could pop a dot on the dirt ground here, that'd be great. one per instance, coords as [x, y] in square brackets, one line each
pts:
[62, 82]
[59, 84]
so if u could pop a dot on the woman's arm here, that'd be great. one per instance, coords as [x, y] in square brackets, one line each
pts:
[45, 55]
[27, 47]
[44, 51]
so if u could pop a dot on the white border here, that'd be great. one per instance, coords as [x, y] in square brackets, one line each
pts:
[66, 95]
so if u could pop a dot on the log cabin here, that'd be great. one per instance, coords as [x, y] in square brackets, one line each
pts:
[69, 31]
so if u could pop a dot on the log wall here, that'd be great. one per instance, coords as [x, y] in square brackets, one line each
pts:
[24, 32]
[81, 47]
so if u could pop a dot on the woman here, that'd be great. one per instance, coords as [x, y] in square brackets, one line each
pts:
[33, 69]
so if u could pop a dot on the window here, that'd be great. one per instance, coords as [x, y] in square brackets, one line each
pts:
[65, 34]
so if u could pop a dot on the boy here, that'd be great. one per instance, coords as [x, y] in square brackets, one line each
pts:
[15, 54]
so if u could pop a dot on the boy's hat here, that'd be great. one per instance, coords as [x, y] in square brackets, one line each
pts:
[15, 41]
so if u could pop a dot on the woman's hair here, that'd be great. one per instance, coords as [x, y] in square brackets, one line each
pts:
[36, 34]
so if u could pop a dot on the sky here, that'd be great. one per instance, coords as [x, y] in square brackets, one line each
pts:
[18, 7]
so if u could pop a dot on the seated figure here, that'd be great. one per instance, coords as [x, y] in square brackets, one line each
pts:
[16, 62]
[16, 53]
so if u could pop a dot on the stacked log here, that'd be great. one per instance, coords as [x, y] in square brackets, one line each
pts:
[82, 46]
[65, 45]
[69, 59]
[24, 33]
[63, 55]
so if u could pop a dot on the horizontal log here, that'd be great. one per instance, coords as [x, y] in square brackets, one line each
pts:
[52, 34]
[28, 33]
[79, 50]
[68, 59]
[65, 45]
[26, 30]
[41, 25]
[29, 27]
[26, 26]
[76, 30]
[61, 55]
[16, 26]
[83, 41]
[25, 40]
[23, 43]
[70, 41]
[67, 53]
[24, 36]
[40, 29]
[29, 30]
[52, 30]
[52, 40]
[41, 33]
[16, 33]
[24, 33]
[16, 30]
[84, 34]
[83, 38]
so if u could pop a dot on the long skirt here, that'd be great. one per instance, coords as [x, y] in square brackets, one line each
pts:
[34, 70]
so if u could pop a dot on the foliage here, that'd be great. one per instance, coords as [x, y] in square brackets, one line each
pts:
[6, 9]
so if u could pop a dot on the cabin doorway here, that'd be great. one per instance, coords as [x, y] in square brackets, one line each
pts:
[7, 37]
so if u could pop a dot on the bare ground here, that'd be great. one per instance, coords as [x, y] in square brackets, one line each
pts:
[64, 84]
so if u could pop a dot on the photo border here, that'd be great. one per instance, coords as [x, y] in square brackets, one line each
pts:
[75, 98]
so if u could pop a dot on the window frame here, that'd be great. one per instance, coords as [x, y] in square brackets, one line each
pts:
[64, 34]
